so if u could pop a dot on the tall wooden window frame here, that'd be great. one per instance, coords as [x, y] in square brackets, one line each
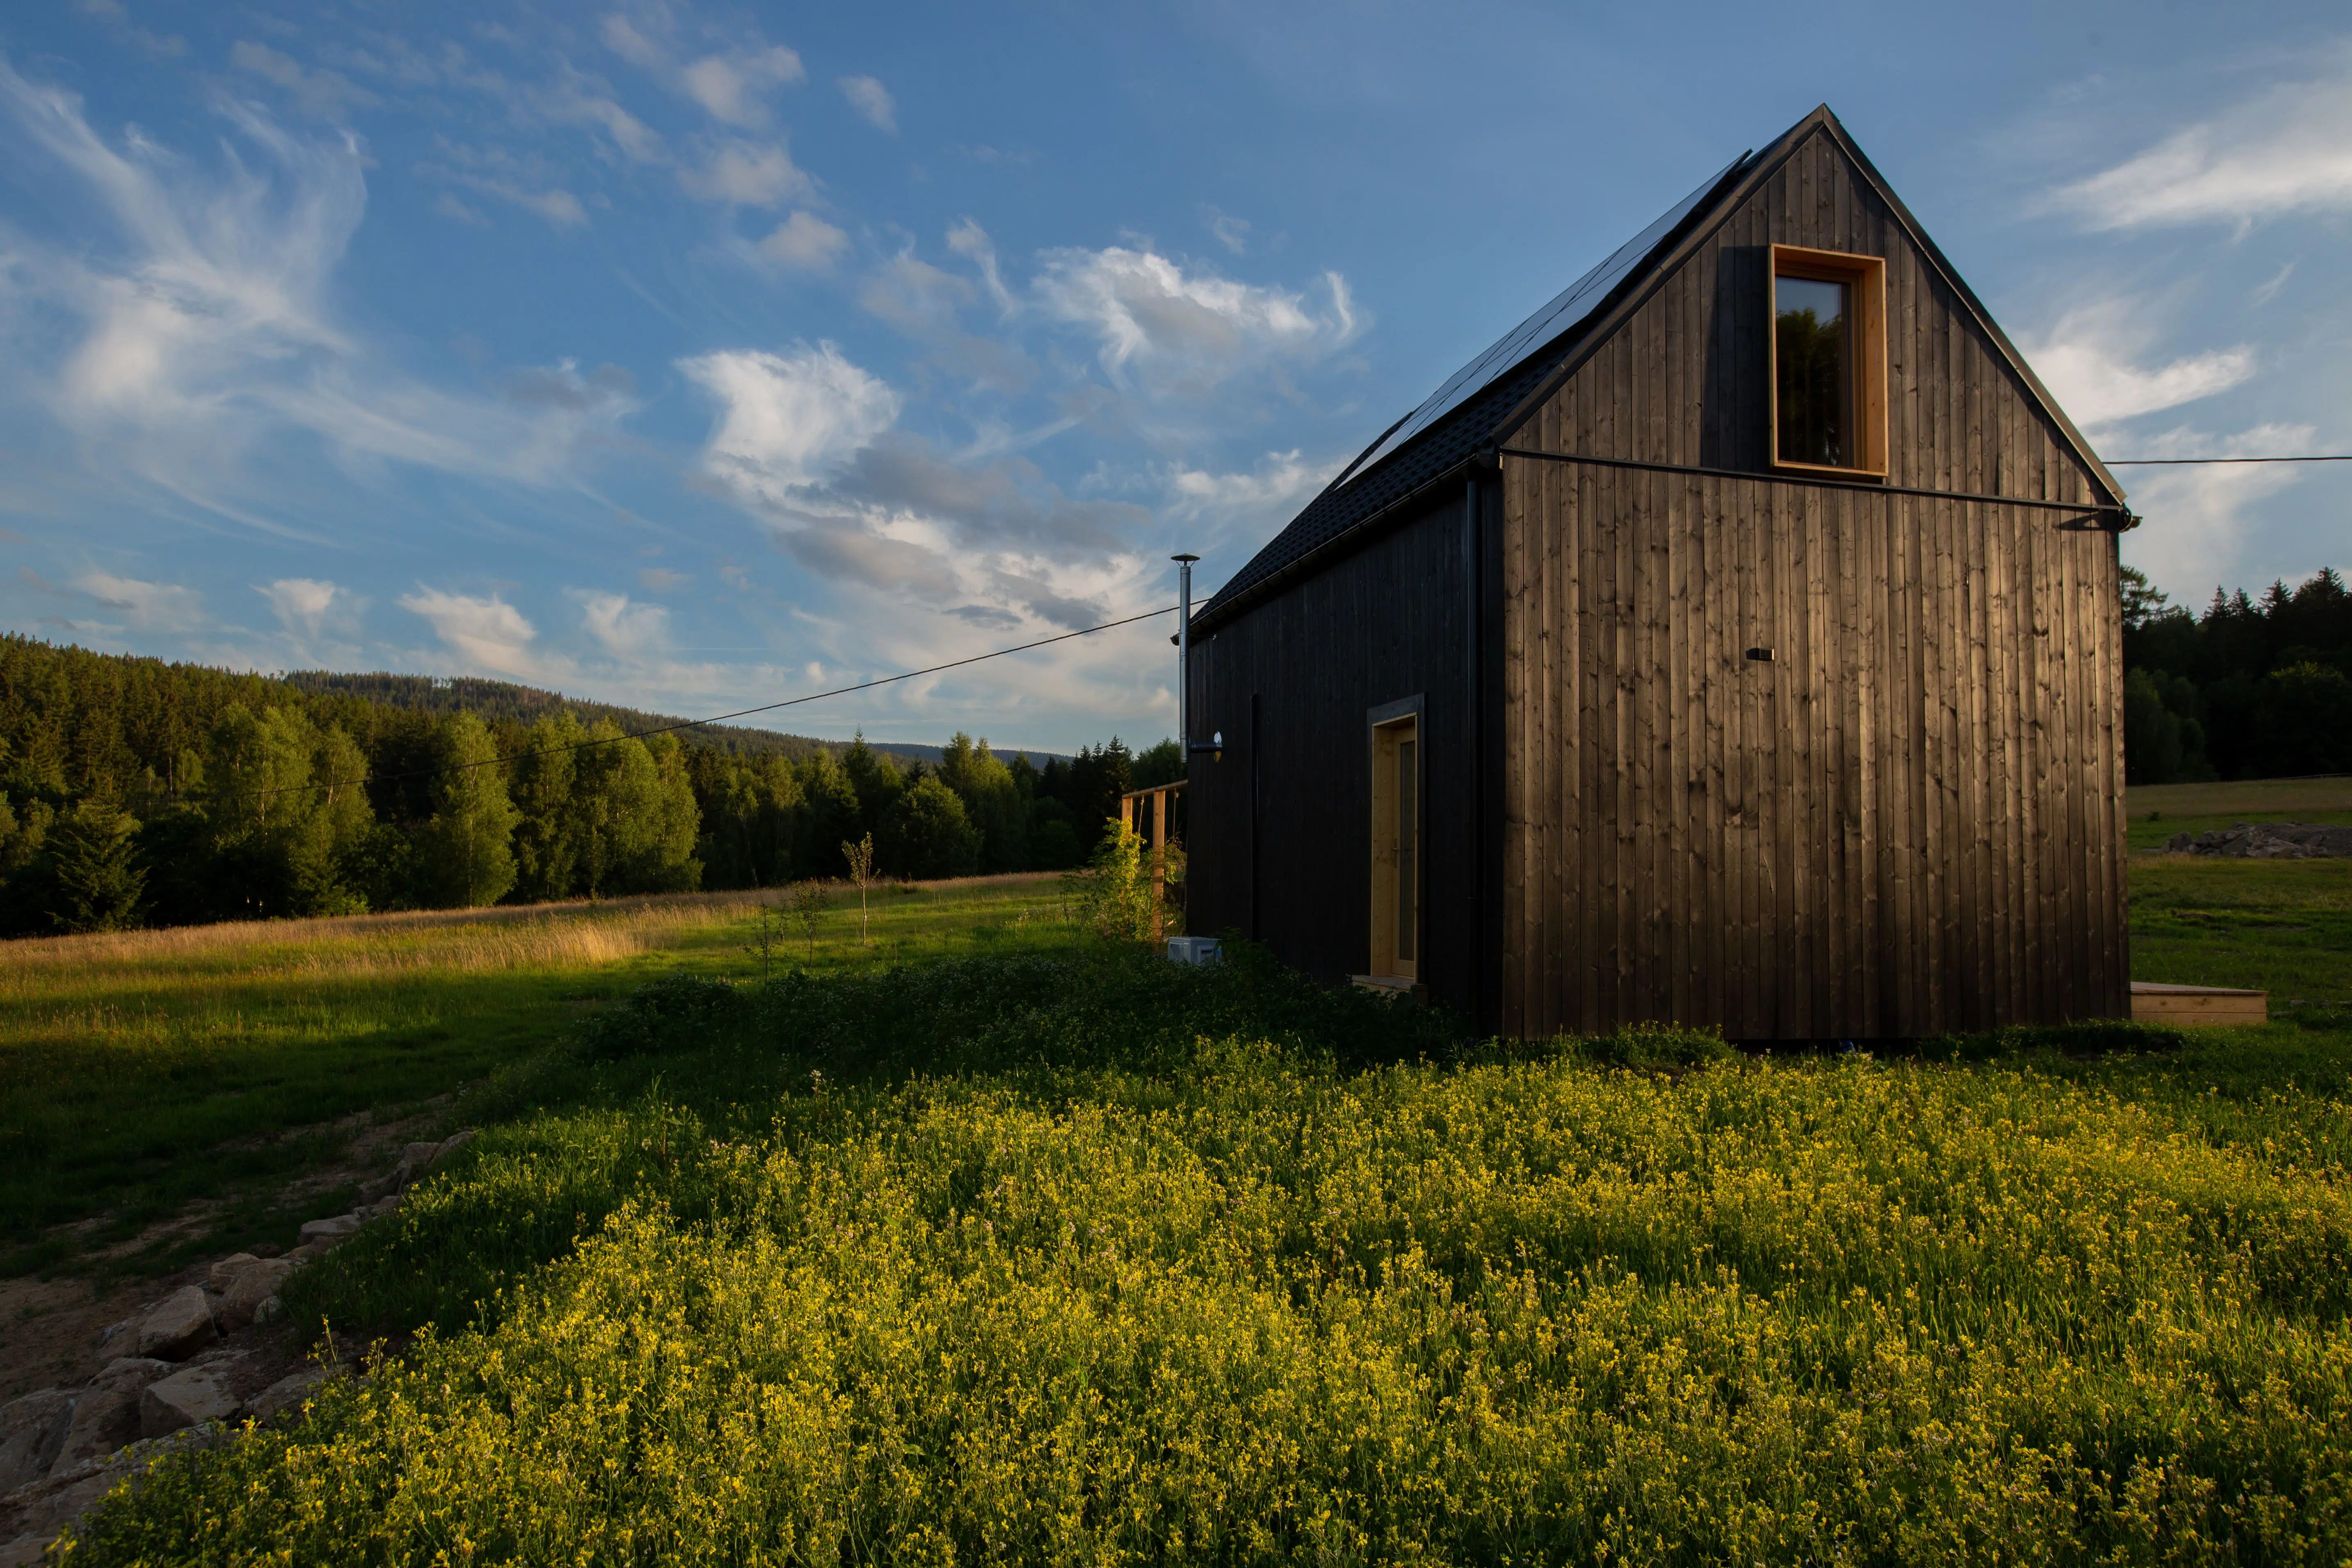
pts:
[1398, 840]
[1866, 277]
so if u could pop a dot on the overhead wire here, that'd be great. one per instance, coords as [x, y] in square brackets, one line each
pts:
[698, 723]
[2183, 462]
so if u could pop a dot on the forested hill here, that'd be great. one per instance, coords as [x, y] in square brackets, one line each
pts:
[528, 704]
[135, 791]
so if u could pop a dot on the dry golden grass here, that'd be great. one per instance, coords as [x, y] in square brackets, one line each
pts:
[568, 935]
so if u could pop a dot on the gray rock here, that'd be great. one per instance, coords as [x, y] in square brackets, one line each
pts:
[223, 1275]
[104, 1419]
[269, 1310]
[416, 1159]
[132, 1372]
[32, 1430]
[187, 1398]
[2179, 842]
[176, 1325]
[253, 1285]
[49, 1505]
[291, 1392]
[330, 1230]
[2268, 841]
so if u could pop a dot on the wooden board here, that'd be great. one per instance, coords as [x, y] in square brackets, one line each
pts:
[2191, 1005]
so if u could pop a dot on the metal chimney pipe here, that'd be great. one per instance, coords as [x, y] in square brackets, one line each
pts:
[1185, 660]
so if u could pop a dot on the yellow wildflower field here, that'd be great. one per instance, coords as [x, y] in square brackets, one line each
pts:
[1151, 1266]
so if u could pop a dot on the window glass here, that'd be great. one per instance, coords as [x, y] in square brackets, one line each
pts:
[1813, 349]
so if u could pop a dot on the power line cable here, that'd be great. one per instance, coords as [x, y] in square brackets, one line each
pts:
[2183, 462]
[698, 723]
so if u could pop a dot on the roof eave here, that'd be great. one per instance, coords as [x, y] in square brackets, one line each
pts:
[1222, 612]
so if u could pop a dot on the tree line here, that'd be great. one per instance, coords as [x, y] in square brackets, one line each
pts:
[134, 791]
[2253, 688]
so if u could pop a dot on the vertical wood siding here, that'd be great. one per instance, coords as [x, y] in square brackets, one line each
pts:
[1385, 622]
[1910, 820]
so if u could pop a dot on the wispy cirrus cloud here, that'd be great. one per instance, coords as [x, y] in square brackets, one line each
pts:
[2094, 360]
[2287, 149]
[320, 93]
[203, 324]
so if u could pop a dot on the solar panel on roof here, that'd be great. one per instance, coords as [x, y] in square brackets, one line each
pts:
[1574, 303]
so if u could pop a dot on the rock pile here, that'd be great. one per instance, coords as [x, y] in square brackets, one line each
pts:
[2266, 841]
[176, 1380]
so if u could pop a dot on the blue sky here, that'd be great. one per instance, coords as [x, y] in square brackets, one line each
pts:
[698, 356]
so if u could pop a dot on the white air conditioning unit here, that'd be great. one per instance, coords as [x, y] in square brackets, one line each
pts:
[1192, 948]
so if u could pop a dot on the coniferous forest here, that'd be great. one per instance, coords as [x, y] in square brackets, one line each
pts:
[2254, 687]
[134, 791]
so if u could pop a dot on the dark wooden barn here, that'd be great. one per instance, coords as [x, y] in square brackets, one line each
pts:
[1735, 642]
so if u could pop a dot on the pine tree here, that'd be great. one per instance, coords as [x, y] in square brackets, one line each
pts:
[99, 879]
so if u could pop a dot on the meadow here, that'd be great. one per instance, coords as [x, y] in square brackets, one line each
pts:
[1018, 1246]
[144, 1072]
[2156, 812]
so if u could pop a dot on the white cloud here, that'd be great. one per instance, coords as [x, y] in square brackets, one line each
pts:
[204, 304]
[805, 240]
[578, 100]
[914, 296]
[1168, 330]
[2087, 361]
[525, 182]
[1279, 482]
[488, 634]
[302, 603]
[1232, 232]
[147, 607]
[661, 579]
[2198, 519]
[788, 420]
[622, 38]
[2287, 151]
[872, 99]
[748, 174]
[322, 93]
[632, 633]
[730, 86]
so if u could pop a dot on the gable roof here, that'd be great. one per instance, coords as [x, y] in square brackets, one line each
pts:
[1482, 404]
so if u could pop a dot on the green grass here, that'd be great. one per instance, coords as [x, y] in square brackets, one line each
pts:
[143, 1074]
[2154, 813]
[1097, 1259]
[1046, 1251]
[2280, 926]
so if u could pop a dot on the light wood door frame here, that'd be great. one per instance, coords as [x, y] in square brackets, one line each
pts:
[1400, 814]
